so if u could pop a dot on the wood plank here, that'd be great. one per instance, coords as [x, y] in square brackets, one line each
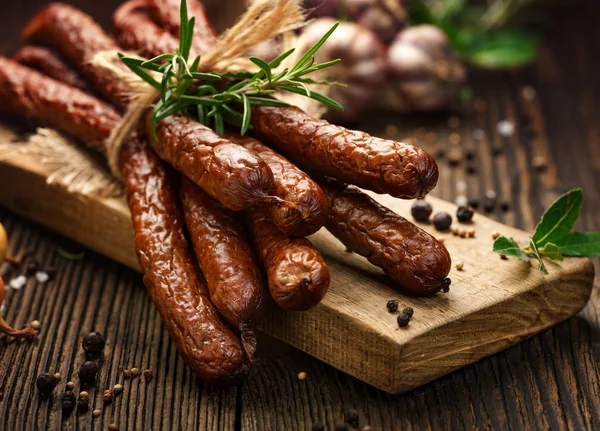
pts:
[492, 305]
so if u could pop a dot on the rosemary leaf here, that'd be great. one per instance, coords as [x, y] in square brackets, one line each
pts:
[247, 115]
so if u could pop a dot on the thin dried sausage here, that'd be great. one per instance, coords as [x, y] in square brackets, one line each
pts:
[226, 259]
[78, 38]
[308, 209]
[414, 259]
[297, 275]
[384, 166]
[29, 94]
[207, 346]
[227, 172]
[50, 64]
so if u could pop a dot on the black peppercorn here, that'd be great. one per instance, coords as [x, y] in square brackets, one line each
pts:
[464, 214]
[32, 267]
[471, 170]
[392, 305]
[421, 210]
[93, 343]
[68, 401]
[505, 206]
[88, 372]
[318, 427]
[51, 271]
[403, 319]
[83, 404]
[474, 203]
[352, 418]
[408, 311]
[470, 155]
[342, 427]
[45, 382]
[442, 220]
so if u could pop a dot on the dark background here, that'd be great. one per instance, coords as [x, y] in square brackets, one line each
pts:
[551, 381]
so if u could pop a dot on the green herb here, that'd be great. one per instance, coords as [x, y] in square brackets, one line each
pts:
[482, 35]
[70, 256]
[552, 237]
[214, 98]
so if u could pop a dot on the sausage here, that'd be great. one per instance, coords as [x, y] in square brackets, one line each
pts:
[50, 64]
[31, 95]
[418, 262]
[226, 259]
[208, 347]
[297, 275]
[78, 38]
[227, 172]
[384, 166]
[309, 210]
[136, 31]
[166, 12]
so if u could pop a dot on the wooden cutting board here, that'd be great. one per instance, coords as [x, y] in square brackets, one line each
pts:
[492, 304]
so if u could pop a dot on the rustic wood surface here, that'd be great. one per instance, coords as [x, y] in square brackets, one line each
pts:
[497, 304]
[550, 381]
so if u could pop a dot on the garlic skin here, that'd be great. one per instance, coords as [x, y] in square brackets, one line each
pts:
[385, 18]
[363, 66]
[423, 72]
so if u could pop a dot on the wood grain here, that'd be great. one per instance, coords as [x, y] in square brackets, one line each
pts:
[551, 381]
[492, 304]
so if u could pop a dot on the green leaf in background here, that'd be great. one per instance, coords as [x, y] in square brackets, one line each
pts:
[504, 49]
[551, 250]
[536, 253]
[584, 244]
[559, 219]
[509, 247]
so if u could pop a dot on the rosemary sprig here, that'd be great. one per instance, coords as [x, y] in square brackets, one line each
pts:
[218, 98]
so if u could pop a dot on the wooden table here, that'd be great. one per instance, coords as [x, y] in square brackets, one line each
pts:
[550, 381]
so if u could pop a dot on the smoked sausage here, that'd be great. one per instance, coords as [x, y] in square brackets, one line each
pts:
[50, 64]
[418, 262]
[206, 345]
[297, 275]
[308, 209]
[29, 94]
[226, 259]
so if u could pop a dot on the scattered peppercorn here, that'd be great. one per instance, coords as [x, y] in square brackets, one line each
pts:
[148, 375]
[454, 231]
[96, 413]
[497, 151]
[489, 206]
[474, 203]
[135, 372]
[57, 376]
[454, 157]
[342, 427]
[35, 324]
[460, 266]
[113, 427]
[471, 233]
[367, 428]
[539, 163]
[503, 257]
[421, 210]
[68, 401]
[505, 206]
[126, 374]
[83, 404]
[403, 320]
[470, 154]
[442, 221]
[88, 373]
[392, 305]
[318, 427]
[51, 271]
[93, 343]
[352, 418]
[409, 311]
[83, 394]
[45, 382]
[471, 170]
[464, 214]
[302, 375]
[70, 385]
[454, 122]
[495, 234]
[107, 397]
[462, 233]
[32, 267]
[118, 388]
[454, 139]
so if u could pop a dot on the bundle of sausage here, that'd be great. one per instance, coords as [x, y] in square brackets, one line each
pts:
[211, 304]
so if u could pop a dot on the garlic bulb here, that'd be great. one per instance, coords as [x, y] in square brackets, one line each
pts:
[362, 67]
[385, 18]
[424, 73]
